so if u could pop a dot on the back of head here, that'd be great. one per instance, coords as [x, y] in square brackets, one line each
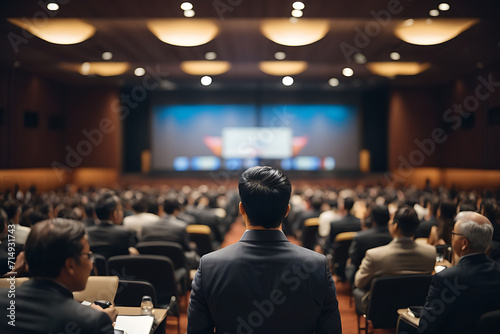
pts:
[489, 209]
[50, 243]
[11, 208]
[106, 205]
[316, 202]
[171, 204]
[407, 220]
[139, 205]
[152, 205]
[380, 215]
[348, 204]
[448, 210]
[477, 229]
[265, 193]
[4, 221]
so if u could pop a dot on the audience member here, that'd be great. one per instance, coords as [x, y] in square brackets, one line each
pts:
[441, 234]
[402, 256]
[264, 273]
[425, 226]
[140, 218]
[109, 238]
[13, 210]
[459, 295]
[59, 260]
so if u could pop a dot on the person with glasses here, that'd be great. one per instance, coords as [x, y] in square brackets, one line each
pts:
[459, 295]
[59, 261]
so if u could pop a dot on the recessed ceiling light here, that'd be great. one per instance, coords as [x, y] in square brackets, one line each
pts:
[139, 71]
[287, 81]
[186, 6]
[189, 13]
[52, 6]
[206, 80]
[334, 82]
[210, 55]
[297, 13]
[348, 72]
[359, 58]
[107, 55]
[298, 5]
[434, 12]
[395, 56]
[280, 55]
[444, 7]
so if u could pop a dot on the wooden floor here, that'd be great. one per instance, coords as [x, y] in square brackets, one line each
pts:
[347, 313]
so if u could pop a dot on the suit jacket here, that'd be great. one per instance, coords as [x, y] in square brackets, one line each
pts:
[402, 256]
[263, 284]
[365, 240]
[167, 229]
[43, 306]
[348, 223]
[137, 221]
[109, 239]
[459, 295]
[424, 229]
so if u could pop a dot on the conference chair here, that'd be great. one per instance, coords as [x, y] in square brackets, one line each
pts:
[202, 237]
[155, 269]
[390, 293]
[130, 293]
[174, 252]
[340, 252]
[98, 288]
[310, 232]
[5, 282]
[100, 264]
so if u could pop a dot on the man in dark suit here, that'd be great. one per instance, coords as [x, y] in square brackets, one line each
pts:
[459, 295]
[109, 238]
[377, 235]
[348, 223]
[59, 260]
[263, 283]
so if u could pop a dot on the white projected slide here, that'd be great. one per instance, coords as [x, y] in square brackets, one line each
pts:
[268, 143]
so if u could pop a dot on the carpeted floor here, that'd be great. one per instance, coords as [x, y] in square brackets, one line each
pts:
[347, 313]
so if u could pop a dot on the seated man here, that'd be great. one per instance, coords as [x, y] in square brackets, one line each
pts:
[402, 256]
[108, 237]
[459, 295]
[59, 260]
[264, 284]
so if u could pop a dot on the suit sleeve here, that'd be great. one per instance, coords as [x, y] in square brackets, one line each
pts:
[436, 310]
[364, 275]
[354, 253]
[329, 319]
[199, 318]
[103, 324]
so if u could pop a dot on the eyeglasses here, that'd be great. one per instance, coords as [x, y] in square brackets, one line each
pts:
[90, 256]
[455, 233]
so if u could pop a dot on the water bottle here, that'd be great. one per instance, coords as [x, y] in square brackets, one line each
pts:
[146, 305]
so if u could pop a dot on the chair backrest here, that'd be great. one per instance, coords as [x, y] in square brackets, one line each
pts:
[130, 293]
[155, 269]
[100, 265]
[345, 236]
[311, 222]
[390, 293]
[489, 323]
[98, 288]
[5, 282]
[172, 250]
[201, 236]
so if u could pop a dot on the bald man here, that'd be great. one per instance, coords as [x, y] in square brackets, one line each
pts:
[459, 295]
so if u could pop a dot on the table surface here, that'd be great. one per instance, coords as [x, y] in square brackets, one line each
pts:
[159, 313]
[406, 315]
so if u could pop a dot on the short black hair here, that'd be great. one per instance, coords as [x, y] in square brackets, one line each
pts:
[3, 220]
[380, 215]
[50, 243]
[407, 219]
[139, 204]
[11, 208]
[106, 205]
[265, 194]
[171, 203]
[348, 203]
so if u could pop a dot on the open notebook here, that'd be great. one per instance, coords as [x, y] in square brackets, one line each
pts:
[134, 324]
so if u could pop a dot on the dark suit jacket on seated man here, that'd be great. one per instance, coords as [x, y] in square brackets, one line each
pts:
[263, 284]
[59, 260]
[459, 295]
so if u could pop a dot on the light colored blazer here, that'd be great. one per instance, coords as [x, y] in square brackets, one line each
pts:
[402, 256]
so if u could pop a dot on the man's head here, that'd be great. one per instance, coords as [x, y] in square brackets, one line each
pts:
[348, 204]
[265, 193]
[108, 207]
[380, 215]
[58, 249]
[472, 233]
[405, 222]
[171, 205]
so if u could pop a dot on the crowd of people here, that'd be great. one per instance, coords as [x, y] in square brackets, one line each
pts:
[397, 231]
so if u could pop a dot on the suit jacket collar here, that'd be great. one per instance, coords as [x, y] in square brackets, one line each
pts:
[473, 258]
[263, 236]
[49, 285]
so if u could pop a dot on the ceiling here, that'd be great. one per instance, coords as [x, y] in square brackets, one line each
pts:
[121, 29]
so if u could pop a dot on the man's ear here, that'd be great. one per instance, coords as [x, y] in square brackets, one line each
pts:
[287, 210]
[242, 209]
[465, 244]
[70, 265]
